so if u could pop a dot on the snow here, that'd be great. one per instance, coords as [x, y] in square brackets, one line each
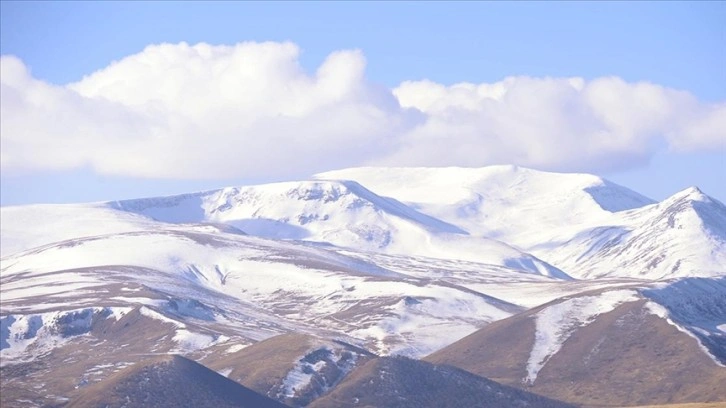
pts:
[497, 201]
[145, 311]
[25, 337]
[418, 326]
[225, 371]
[137, 300]
[189, 341]
[257, 271]
[529, 294]
[235, 348]
[555, 324]
[695, 306]
[583, 225]
[305, 370]
[31, 226]
[46, 285]
[299, 377]
[333, 255]
[340, 212]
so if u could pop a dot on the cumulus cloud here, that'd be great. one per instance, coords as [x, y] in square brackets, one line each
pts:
[250, 110]
[555, 123]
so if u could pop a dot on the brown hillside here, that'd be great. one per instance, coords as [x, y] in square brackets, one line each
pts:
[170, 381]
[263, 366]
[625, 357]
[398, 382]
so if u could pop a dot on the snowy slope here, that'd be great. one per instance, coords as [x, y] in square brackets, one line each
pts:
[341, 213]
[30, 226]
[682, 236]
[584, 225]
[299, 286]
[696, 306]
[501, 202]
[556, 323]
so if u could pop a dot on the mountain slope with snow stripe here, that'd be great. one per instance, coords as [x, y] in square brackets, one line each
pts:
[650, 343]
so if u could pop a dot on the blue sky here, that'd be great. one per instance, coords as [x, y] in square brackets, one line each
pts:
[674, 45]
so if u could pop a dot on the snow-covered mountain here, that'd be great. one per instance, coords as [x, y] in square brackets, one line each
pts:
[517, 205]
[389, 261]
[583, 225]
[281, 285]
[338, 212]
[682, 236]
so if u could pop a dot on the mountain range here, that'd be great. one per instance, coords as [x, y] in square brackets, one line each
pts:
[498, 286]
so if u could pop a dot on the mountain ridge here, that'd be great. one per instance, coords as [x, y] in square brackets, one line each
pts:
[319, 276]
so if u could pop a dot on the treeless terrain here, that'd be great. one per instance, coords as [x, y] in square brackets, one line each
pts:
[170, 381]
[625, 357]
[401, 382]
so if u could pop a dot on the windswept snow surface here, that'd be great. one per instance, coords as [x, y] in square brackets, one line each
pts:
[581, 224]
[31, 226]
[557, 322]
[500, 202]
[683, 236]
[338, 212]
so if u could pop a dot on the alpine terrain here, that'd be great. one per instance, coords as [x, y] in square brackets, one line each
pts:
[368, 287]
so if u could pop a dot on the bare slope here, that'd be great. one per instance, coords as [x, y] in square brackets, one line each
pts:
[170, 381]
[401, 382]
[607, 348]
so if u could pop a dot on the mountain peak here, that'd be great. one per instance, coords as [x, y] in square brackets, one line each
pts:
[692, 193]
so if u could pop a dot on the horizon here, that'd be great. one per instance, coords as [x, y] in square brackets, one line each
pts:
[312, 178]
[198, 97]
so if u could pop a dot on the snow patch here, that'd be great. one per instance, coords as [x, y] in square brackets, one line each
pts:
[299, 377]
[310, 369]
[25, 337]
[225, 371]
[145, 311]
[235, 348]
[190, 341]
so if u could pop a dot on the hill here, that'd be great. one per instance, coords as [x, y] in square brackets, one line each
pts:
[401, 382]
[609, 348]
[169, 381]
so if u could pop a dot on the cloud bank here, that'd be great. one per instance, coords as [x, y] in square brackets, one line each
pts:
[250, 110]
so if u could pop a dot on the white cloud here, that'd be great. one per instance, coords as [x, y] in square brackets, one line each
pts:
[250, 110]
[554, 123]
